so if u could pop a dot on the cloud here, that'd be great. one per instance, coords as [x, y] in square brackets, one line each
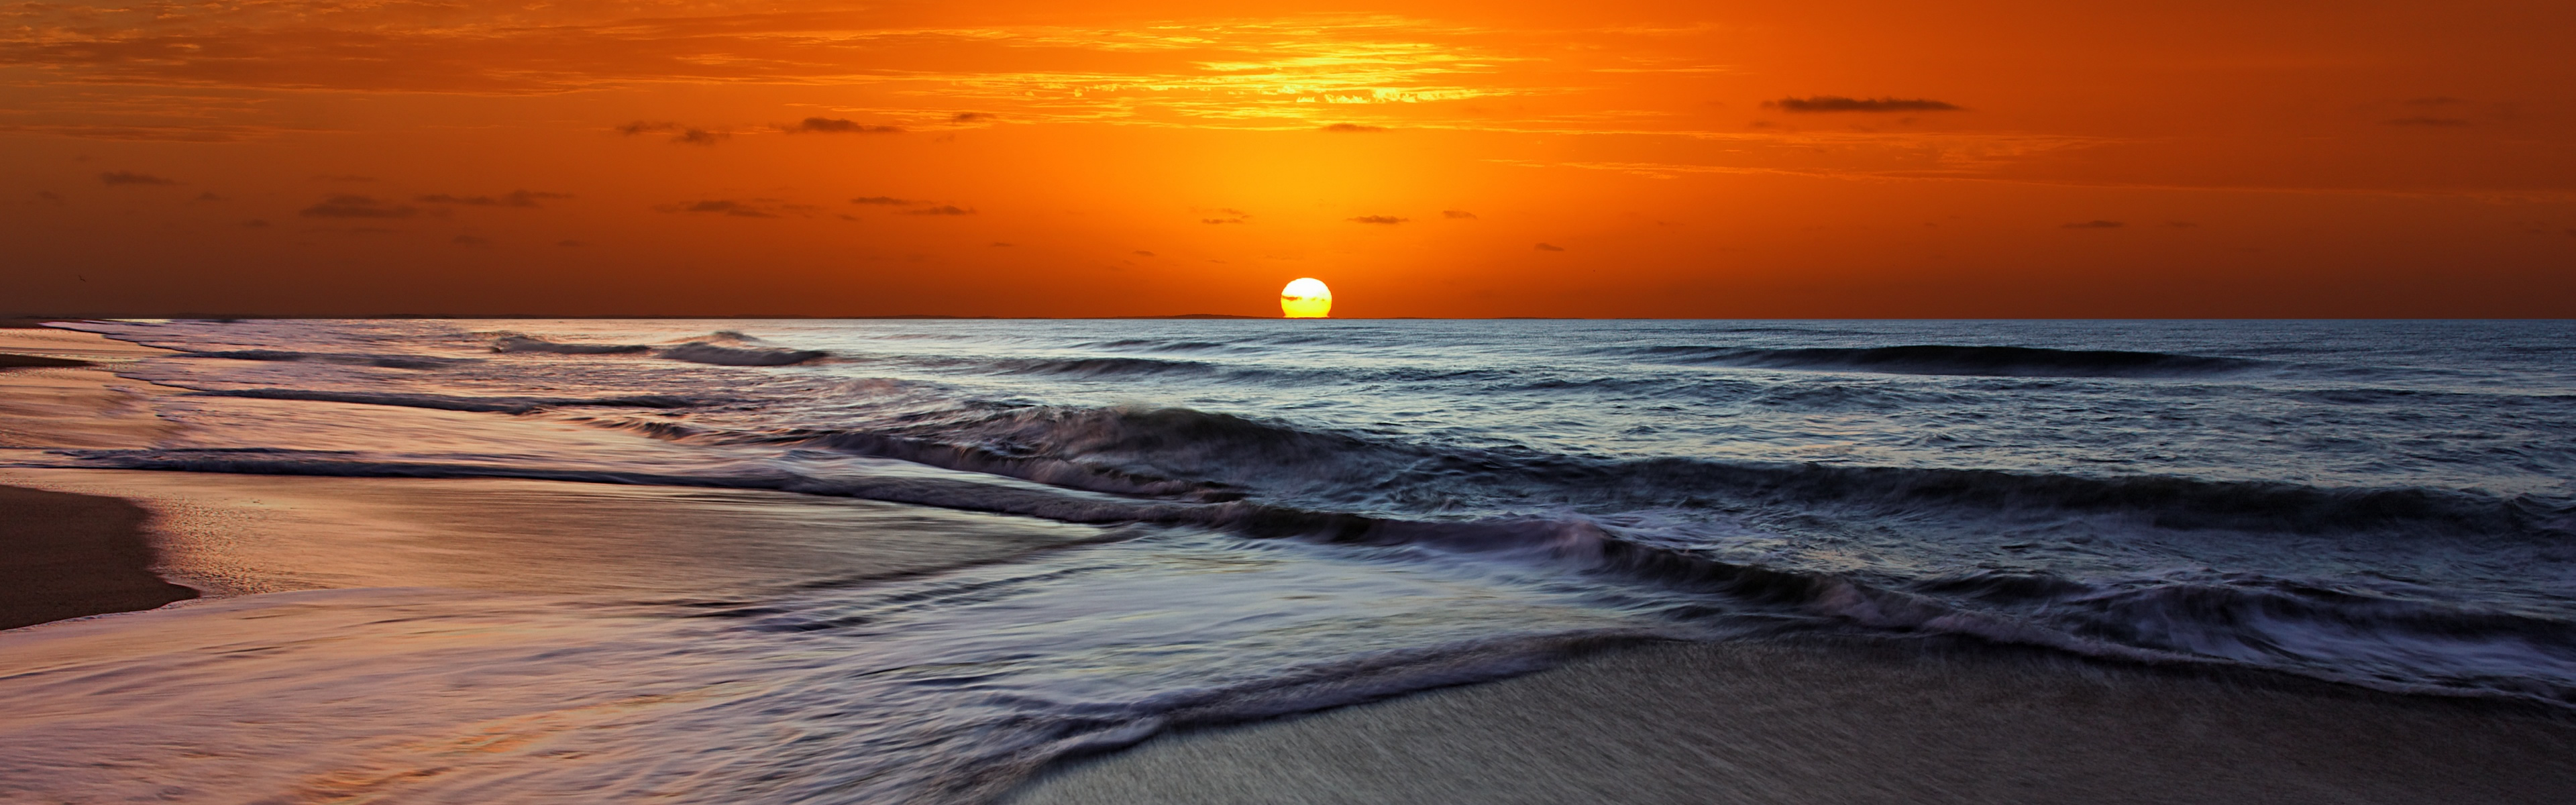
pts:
[256, 223]
[345, 205]
[1142, 253]
[834, 125]
[733, 208]
[515, 198]
[48, 195]
[1220, 220]
[686, 135]
[1379, 219]
[2095, 224]
[1456, 214]
[881, 200]
[2426, 120]
[469, 240]
[972, 117]
[1548, 247]
[1837, 103]
[209, 196]
[944, 209]
[1353, 128]
[130, 177]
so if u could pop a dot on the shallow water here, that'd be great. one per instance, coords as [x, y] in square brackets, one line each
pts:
[1317, 512]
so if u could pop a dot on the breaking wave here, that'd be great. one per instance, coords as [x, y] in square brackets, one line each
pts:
[499, 405]
[1937, 359]
[527, 343]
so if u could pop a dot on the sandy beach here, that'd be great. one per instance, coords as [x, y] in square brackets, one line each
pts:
[65, 556]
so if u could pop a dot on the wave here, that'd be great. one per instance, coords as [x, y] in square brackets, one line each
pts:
[2315, 630]
[385, 361]
[1938, 359]
[500, 405]
[1153, 345]
[1103, 367]
[720, 348]
[512, 343]
[1185, 453]
[718, 355]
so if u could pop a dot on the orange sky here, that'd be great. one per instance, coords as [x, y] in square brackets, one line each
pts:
[1813, 159]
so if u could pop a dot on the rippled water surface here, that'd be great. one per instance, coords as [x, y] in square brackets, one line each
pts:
[1305, 513]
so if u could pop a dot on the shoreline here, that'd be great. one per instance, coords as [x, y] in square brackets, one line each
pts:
[1857, 722]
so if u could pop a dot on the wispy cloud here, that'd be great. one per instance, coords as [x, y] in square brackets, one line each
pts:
[1379, 219]
[514, 198]
[1837, 103]
[889, 200]
[1548, 247]
[943, 209]
[833, 125]
[753, 208]
[2427, 120]
[1456, 214]
[1353, 128]
[132, 178]
[683, 135]
[346, 205]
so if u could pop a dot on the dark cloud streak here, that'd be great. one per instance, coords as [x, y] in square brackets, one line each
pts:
[1837, 103]
[514, 198]
[346, 205]
[132, 178]
[833, 125]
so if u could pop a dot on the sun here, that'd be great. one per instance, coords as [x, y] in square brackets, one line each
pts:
[1305, 298]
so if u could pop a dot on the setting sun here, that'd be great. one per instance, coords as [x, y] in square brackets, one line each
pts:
[1305, 298]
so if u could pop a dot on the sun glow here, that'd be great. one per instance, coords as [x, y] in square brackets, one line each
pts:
[1305, 298]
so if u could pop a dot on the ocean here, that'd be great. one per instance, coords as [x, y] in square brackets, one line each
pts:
[1289, 516]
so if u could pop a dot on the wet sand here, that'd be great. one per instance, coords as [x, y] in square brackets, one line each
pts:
[66, 556]
[58, 389]
[1858, 723]
[244, 534]
[84, 544]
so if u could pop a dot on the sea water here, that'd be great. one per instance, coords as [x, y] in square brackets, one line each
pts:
[1304, 514]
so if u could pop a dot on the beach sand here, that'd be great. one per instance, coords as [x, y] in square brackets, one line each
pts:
[241, 534]
[65, 556]
[1859, 723]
